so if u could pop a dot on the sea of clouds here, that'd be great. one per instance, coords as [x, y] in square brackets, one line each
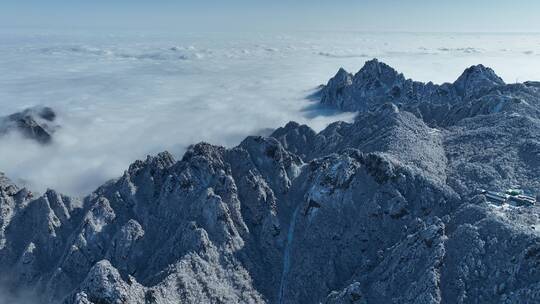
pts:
[120, 97]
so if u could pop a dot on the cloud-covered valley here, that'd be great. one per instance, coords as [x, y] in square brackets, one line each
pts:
[120, 97]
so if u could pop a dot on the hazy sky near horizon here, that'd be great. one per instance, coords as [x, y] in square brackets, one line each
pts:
[218, 15]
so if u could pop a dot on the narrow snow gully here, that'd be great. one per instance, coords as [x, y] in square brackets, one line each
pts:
[286, 256]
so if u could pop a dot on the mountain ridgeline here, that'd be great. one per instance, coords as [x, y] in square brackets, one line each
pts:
[478, 91]
[385, 209]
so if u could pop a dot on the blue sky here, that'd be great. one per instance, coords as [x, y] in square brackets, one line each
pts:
[368, 15]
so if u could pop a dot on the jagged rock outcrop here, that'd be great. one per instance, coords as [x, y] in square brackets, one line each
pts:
[475, 80]
[35, 123]
[478, 91]
[386, 129]
[380, 210]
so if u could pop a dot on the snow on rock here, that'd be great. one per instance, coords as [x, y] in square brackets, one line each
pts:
[478, 91]
[380, 210]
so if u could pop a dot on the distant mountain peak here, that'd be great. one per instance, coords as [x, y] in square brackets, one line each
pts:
[476, 78]
[377, 83]
[377, 69]
[342, 76]
[342, 72]
[36, 123]
[480, 71]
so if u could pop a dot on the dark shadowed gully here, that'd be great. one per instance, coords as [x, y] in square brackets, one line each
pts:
[387, 209]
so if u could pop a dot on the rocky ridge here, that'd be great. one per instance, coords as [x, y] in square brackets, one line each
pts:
[380, 210]
[478, 91]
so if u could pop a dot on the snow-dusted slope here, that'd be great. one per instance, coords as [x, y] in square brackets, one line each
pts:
[477, 91]
[381, 210]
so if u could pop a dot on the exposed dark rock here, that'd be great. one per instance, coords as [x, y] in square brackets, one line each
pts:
[478, 91]
[35, 123]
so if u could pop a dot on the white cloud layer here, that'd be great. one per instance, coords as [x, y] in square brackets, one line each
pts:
[121, 97]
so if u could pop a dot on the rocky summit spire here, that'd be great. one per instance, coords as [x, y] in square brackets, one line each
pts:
[374, 69]
[475, 79]
[342, 78]
[376, 83]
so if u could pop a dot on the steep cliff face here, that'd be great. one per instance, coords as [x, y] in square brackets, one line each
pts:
[381, 210]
